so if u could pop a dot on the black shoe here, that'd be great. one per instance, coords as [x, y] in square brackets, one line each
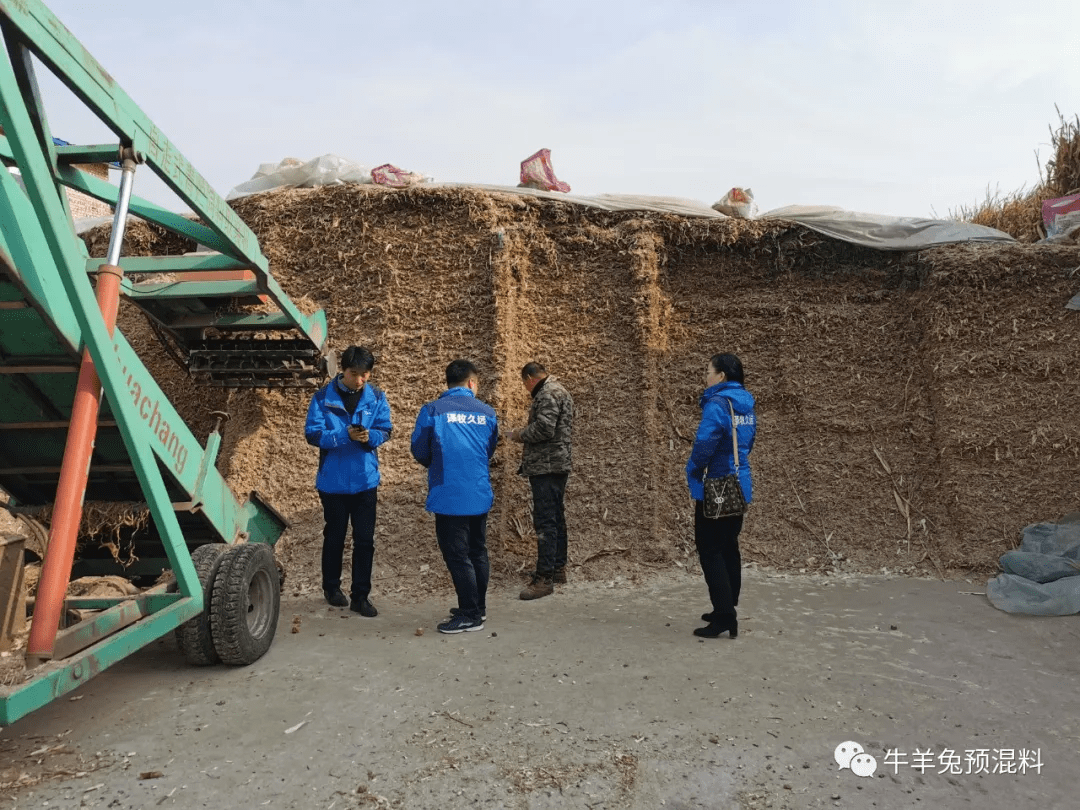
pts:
[459, 624]
[709, 617]
[715, 629]
[364, 608]
[457, 612]
[336, 598]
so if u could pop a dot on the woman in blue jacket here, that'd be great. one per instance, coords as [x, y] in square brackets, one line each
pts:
[347, 420]
[717, 539]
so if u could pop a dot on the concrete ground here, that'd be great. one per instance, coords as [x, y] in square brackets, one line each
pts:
[598, 697]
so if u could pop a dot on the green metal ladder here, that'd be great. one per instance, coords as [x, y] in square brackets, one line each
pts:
[55, 337]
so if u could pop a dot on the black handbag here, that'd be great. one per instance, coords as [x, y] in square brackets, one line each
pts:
[724, 496]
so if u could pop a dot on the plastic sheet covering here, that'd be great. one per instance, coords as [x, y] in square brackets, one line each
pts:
[886, 232]
[84, 224]
[1042, 577]
[328, 170]
[870, 230]
[608, 202]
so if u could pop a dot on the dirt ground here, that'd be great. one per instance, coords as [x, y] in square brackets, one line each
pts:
[596, 698]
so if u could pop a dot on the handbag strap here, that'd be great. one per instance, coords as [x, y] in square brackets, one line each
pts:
[734, 441]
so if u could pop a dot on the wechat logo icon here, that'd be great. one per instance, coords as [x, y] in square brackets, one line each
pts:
[852, 756]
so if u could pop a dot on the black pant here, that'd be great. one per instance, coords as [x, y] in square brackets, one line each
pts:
[463, 543]
[718, 550]
[549, 520]
[338, 510]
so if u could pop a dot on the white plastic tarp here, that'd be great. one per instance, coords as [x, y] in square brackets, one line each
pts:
[608, 202]
[870, 230]
[885, 232]
[328, 170]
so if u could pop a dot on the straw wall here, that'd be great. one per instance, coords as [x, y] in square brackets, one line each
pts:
[915, 410]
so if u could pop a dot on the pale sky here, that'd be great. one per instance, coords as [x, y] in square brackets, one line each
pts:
[905, 108]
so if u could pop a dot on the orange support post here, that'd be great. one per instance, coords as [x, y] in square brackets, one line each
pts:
[74, 471]
[75, 468]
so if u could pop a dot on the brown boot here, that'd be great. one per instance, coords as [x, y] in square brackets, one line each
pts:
[560, 576]
[537, 588]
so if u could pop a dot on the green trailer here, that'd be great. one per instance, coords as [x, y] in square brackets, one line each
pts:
[81, 417]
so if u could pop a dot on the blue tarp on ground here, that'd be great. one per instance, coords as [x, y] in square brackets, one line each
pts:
[1042, 577]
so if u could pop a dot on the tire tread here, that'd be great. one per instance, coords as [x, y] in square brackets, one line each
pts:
[194, 636]
[228, 612]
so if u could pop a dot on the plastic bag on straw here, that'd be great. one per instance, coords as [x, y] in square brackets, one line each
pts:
[739, 202]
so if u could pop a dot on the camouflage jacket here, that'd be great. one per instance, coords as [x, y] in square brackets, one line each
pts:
[547, 437]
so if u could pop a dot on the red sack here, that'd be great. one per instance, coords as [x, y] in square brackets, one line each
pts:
[1059, 207]
[536, 172]
[390, 175]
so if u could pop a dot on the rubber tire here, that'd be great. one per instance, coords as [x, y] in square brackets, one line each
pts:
[193, 636]
[245, 603]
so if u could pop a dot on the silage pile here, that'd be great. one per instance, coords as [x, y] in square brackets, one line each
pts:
[916, 410]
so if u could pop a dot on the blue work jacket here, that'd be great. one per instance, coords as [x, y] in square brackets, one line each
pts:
[346, 466]
[712, 456]
[455, 438]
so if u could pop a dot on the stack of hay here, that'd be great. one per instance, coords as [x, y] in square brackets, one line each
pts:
[916, 410]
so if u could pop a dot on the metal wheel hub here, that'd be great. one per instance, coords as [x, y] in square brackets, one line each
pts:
[259, 601]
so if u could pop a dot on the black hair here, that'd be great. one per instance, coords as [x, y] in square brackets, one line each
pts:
[729, 365]
[532, 370]
[459, 371]
[357, 358]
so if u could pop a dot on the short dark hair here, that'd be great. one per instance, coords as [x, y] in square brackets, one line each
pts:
[357, 358]
[729, 365]
[459, 371]
[532, 370]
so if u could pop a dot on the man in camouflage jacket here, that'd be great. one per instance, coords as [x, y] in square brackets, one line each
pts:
[546, 460]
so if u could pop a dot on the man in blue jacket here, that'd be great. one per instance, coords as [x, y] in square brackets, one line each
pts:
[455, 438]
[347, 420]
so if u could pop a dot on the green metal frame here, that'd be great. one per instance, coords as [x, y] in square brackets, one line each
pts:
[29, 26]
[146, 620]
[49, 268]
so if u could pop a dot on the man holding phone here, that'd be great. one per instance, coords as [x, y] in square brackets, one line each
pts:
[347, 420]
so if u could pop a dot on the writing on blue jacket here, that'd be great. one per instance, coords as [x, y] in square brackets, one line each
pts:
[455, 437]
[346, 466]
[712, 455]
